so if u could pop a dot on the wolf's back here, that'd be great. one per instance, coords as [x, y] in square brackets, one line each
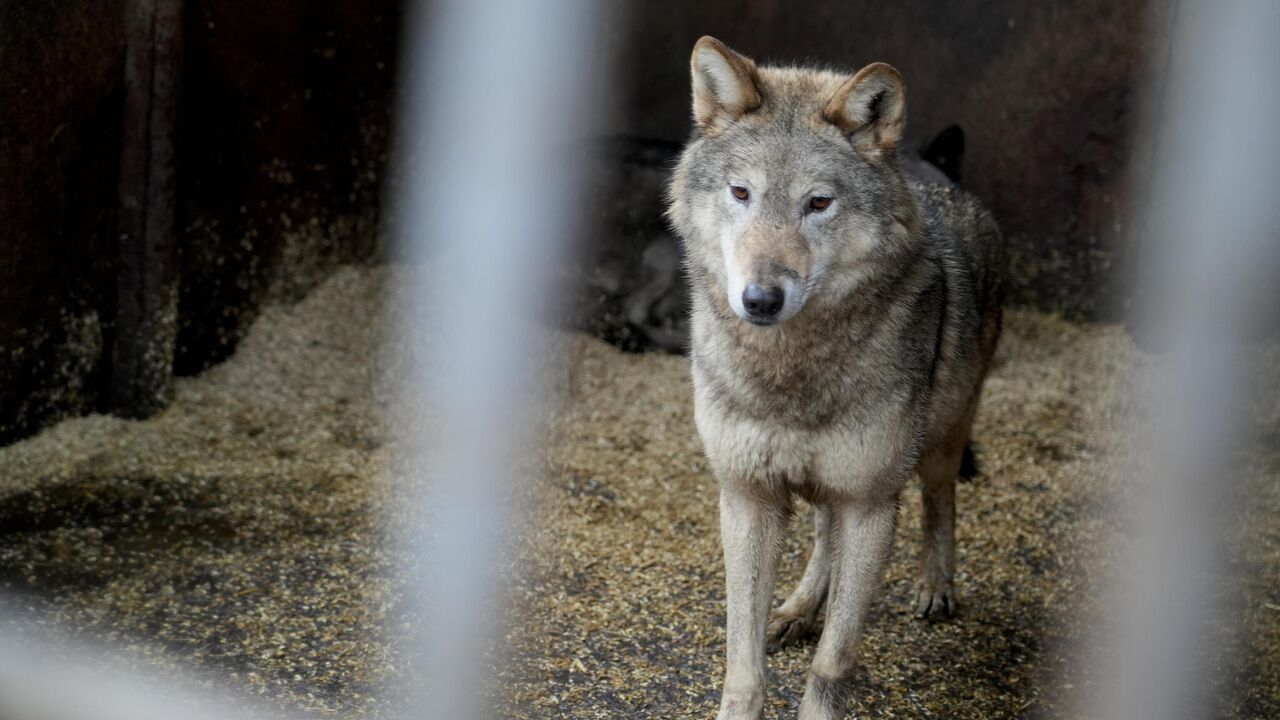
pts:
[974, 230]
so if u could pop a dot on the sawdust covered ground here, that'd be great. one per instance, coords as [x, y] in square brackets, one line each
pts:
[237, 534]
[623, 613]
[241, 533]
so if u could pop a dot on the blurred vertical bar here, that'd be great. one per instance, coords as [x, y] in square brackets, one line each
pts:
[70, 682]
[1210, 237]
[496, 111]
[147, 257]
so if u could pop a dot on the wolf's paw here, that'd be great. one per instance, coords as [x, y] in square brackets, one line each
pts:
[935, 599]
[787, 628]
[741, 705]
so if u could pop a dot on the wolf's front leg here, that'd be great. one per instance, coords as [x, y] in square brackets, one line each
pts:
[749, 529]
[861, 536]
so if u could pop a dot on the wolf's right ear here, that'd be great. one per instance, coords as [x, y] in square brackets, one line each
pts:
[871, 108]
[725, 84]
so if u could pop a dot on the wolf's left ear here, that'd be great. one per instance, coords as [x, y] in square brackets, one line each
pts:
[724, 83]
[871, 108]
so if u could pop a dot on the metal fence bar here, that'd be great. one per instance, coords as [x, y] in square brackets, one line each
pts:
[76, 682]
[1211, 241]
[498, 100]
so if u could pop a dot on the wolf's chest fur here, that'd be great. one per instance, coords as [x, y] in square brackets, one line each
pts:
[835, 402]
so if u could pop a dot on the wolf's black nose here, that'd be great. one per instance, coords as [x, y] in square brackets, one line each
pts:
[761, 301]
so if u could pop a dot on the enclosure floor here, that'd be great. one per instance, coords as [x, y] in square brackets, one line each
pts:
[623, 611]
[242, 533]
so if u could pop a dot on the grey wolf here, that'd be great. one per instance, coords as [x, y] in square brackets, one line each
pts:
[843, 320]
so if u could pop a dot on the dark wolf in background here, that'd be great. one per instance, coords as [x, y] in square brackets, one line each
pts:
[843, 321]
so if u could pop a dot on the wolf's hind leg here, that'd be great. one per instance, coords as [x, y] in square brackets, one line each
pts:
[935, 589]
[797, 616]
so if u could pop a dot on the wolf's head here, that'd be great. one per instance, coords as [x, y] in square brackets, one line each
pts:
[791, 183]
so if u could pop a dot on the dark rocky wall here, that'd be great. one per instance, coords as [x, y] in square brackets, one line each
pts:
[285, 127]
[60, 113]
[283, 132]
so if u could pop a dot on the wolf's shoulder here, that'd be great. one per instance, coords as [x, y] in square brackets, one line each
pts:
[960, 211]
[960, 226]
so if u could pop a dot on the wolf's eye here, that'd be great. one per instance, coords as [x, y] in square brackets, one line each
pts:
[739, 192]
[818, 204]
